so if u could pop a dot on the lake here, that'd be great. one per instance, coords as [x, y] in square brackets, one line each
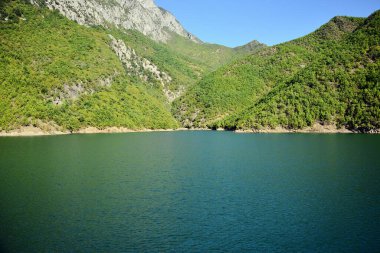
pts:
[190, 192]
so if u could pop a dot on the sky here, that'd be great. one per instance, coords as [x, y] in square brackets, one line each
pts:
[237, 22]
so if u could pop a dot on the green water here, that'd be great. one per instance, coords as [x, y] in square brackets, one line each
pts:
[190, 191]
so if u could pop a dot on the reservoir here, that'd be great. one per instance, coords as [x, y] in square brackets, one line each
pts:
[190, 192]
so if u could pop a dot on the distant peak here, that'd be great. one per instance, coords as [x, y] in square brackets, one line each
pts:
[337, 27]
[374, 17]
[252, 46]
[376, 13]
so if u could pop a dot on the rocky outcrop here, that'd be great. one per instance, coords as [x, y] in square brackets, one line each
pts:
[141, 15]
[251, 47]
[74, 90]
[337, 28]
[141, 67]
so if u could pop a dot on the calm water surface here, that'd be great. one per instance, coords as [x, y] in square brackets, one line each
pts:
[190, 191]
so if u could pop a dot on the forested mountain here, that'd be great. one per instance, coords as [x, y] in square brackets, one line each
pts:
[58, 74]
[141, 15]
[329, 77]
[68, 65]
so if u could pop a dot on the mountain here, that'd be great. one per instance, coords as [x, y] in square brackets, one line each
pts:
[330, 77]
[141, 15]
[70, 65]
[149, 19]
[213, 55]
[250, 47]
[60, 75]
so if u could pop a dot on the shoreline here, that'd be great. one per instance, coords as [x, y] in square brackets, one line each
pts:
[299, 131]
[294, 131]
[308, 130]
[30, 131]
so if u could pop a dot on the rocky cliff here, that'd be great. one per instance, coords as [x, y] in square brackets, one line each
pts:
[142, 15]
[142, 68]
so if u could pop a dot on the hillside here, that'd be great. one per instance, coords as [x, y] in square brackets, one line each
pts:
[58, 74]
[329, 77]
[211, 55]
[67, 67]
[140, 15]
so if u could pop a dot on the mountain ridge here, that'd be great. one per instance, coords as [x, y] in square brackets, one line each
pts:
[326, 70]
[141, 15]
[62, 75]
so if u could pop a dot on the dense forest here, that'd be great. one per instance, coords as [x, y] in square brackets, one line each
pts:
[57, 74]
[329, 77]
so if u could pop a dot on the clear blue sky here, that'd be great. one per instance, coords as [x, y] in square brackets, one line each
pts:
[236, 22]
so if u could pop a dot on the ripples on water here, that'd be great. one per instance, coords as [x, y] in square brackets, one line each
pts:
[190, 191]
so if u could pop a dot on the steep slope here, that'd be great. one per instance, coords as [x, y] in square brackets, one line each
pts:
[140, 15]
[74, 76]
[56, 74]
[250, 47]
[328, 77]
[211, 55]
[149, 19]
[342, 88]
[61, 75]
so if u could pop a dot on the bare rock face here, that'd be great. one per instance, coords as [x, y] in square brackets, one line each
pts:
[142, 15]
[73, 91]
[141, 67]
